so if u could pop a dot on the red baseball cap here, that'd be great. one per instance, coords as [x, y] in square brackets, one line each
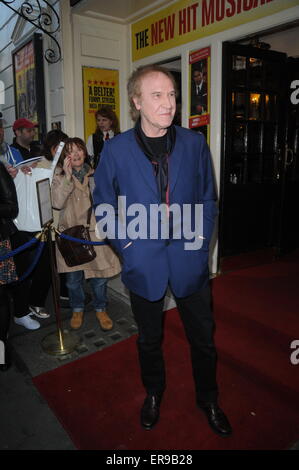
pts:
[23, 123]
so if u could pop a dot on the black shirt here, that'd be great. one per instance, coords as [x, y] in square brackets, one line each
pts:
[158, 145]
[23, 151]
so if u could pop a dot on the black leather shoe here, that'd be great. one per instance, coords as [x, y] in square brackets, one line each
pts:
[150, 411]
[216, 419]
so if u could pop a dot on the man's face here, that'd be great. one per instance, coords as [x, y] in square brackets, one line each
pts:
[25, 136]
[197, 77]
[1, 135]
[156, 103]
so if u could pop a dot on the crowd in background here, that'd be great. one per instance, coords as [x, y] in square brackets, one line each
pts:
[72, 185]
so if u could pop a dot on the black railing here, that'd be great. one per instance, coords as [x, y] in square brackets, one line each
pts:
[42, 15]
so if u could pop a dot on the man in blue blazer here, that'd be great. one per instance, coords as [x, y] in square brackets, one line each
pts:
[155, 201]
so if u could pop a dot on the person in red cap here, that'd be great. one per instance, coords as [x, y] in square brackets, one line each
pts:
[30, 295]
[8, 155]
[24, 135]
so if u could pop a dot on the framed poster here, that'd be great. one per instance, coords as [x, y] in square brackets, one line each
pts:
[44, 201]
[100, 88]
[199, 91]
[29, 88]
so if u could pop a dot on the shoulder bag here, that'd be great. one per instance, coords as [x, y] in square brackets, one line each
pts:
[75, 253]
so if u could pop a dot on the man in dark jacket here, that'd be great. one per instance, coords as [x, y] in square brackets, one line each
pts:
[154, 164]
[8, 155]
[8, 211]
[199, 96]
[24, 135]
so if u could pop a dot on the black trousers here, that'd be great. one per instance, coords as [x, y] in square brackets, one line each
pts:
[196, 315]
[34, 289]
[4, 312]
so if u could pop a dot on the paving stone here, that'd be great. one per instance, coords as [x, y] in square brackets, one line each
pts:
[116, 336]
[100, 343]
[133, 329]
[122, 321]
[82, 349]
[90, 334]
[66, 358]
[28, 344]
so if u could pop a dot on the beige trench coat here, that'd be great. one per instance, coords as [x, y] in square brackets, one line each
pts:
[72, 199]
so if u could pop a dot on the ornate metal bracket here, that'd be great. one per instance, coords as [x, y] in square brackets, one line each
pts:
[43, 17]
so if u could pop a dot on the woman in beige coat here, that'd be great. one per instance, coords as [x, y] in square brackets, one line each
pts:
[71, 196]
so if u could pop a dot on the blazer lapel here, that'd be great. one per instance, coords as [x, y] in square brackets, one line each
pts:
[144, 166]
[175, 161]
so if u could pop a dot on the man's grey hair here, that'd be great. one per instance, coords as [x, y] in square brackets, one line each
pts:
[134, 84]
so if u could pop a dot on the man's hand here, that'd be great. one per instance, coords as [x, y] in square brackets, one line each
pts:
[200, 109]
[27, 170]
[12, 171]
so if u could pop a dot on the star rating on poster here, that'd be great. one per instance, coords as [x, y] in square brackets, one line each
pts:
[101, 83]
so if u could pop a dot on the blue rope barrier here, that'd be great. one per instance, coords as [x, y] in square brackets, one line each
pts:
[19, 249]
[34, 262]
[79, 240]
[40, 249]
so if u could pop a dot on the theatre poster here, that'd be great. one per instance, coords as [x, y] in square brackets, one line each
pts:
[199, 90]
[28, 72]
[100, 88]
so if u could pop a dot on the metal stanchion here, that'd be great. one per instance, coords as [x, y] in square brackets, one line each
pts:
[62, 341]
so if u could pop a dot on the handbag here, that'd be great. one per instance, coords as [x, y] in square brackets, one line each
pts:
[7, 267]
[75, 253]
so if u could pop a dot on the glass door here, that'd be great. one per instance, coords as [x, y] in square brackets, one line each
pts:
[288, 239]
[252, 148]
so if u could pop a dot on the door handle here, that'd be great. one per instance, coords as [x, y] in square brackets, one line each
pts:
[288, 152]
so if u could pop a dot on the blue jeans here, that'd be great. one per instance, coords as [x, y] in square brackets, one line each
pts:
[74, 283]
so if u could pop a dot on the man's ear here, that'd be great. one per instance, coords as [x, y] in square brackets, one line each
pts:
[136, 101]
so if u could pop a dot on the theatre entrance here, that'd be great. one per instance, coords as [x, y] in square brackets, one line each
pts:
[259, 191]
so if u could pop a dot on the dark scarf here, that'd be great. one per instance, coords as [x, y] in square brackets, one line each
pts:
[81, 173]
[159, 162]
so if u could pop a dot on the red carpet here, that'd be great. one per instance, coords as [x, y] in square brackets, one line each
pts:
[98, 398]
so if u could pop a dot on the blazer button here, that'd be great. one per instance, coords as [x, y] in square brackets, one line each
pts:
[167, 242]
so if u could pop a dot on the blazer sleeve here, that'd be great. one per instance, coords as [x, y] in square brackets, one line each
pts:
[105, 198]
[8, 196]
[207, 193]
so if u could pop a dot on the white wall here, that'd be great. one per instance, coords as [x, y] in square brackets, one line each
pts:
[54, 79]
[100, 44]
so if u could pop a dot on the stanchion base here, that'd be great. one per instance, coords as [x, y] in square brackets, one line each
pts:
[51, 344]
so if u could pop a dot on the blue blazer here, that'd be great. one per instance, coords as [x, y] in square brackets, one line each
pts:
[149, 265]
